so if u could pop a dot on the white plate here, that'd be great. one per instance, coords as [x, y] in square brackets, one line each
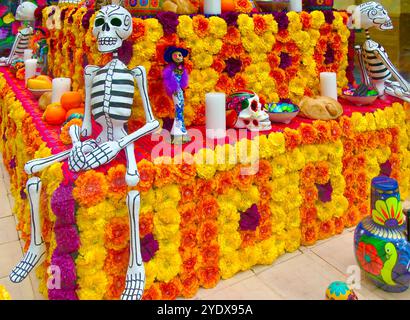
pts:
[360, 101]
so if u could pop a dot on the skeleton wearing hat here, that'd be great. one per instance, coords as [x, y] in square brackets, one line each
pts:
[25, 12]
[109, 95]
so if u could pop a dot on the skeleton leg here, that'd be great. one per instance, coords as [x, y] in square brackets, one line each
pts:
[135, 278]
[37, 165]
[132, 176]
[37, 247]
[363, 71]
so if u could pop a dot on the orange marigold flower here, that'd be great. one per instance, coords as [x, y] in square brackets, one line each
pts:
[310, 194]
[384, 137]
[243, 6]
[224, 181]
[208, 277]
[309, 235]
[361, 161]
[138, 29]
[233, 36]
[224, 83]
[265, 192]
[201, 26]
[188, 192]
[364, 209]
[326, 229]
[246, 61]
[170, 290]
[292, 138]
[306, 20]
[282, 35]
[164, 175]
[204, 187]
[115, 287]
[207, 208]
[264, 231]
[264, 171]
[188, 238]
[116, 262]
[190, 284]
[239, 82]
[346, 125]
[348, 146]
[188, 213]
[147, 174]
[274, 62]
[90, 188]
[323, 129]
[153, 293]
[260, 25]
[209, 255]
[351, 218]
[360, 141]
[308, 214]
[308, 133]
[278, 74]
[190, 264]
[339, 225]
[117, 187]
[248, 238]
[185, 172]
[146, 224]
[308, 175]
[207, 231]
[242, 181]
[219, 65]
[283, 90]
[117, 233]
[322, 172]
[64, 135]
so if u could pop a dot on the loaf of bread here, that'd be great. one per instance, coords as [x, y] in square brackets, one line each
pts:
[179, 6]
[320, 108]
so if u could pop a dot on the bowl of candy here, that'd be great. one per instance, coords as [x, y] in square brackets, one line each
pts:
[361, 95]
[282, 112]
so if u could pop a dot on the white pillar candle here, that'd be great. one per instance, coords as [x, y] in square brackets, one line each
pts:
[328, 84]
[215, 114]
[60, 86]
[30, 68]
[212, 7]
[295, 5]
[28, 54]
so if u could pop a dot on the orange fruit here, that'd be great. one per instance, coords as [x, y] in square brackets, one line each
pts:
[71, 100]
[72, 111]
[54, 114]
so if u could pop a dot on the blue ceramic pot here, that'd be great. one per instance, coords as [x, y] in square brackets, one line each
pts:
[380, 240]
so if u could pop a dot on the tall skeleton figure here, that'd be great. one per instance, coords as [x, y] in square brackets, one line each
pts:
[24, 12]
[375, 65]
[109, 98]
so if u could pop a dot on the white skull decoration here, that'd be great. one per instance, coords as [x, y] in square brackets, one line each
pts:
[249, 113]
[25, 11]
[369, 15]
[113, 25]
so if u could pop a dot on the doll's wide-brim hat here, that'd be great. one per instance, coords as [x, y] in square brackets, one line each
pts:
[170, 50]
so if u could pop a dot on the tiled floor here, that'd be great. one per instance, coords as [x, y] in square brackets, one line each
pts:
[303, 274]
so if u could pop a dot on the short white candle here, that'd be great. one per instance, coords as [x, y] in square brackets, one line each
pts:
[30, 68]
[212, 6]
[60, 86]
[328, 84]
[28, 54]
[295, 5]
[215, 115]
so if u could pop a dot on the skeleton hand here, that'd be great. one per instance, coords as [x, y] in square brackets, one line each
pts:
[102, 154]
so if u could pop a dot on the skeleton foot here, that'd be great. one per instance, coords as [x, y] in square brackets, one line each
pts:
[33, 256]
[134, 284]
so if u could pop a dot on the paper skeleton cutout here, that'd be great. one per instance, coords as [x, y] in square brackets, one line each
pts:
[249, 112]
[24, 12]
[375, 65]
[109, 98]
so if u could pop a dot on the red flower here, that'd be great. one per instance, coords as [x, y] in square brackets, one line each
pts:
[201, 26]
[170, 290]
[308, 133]
[260, 25]
[369, 259]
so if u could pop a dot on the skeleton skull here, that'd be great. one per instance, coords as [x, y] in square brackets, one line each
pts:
[25, 11]
[249, 111]
[113, 25]
[369, 15]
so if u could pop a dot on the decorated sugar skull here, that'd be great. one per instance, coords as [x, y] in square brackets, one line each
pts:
[369, 15]
[245, 111]
[25, 11]
[113, 25]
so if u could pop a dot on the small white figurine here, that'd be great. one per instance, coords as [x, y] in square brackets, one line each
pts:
[109, 98]
[25, 13]
[375, 65]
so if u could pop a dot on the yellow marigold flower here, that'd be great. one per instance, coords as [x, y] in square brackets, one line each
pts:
[228, 211]
[359, 122]
[278, 217]
[340, 204]
[4, 295]
[279, 166]
[228, 227]
[270, 250]
[229, 265]
[292, 240]
[225, 156]
[310, 152]
[371, 124]
[218, 27]
[277, 140]
[318, 19]
[245, 24]
[293, 219]
[185, 28]
[168, 216]
[168, 266]
[166, 231]
[296, 160]
[294, 22]
[250, 256]
[229, 242]
[92, 257]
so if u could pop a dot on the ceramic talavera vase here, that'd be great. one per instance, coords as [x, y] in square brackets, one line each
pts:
[380, 240]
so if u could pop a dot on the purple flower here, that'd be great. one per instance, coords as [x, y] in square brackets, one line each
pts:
[63, 269]
[329, 55]
[325, 191]
[329, 16]
[233, 66]
[169, 21]
[67, 239]
[63, 204]
[231, 18]
[149, 246]
[85, 22]
[250, 218]
[12, 163]
[125, 51]
[4, 137]
[282, 20]
[23, 194]
[385, 169]
[285, 60]
[60, 294]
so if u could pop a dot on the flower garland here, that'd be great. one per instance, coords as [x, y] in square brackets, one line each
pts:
[4, 295]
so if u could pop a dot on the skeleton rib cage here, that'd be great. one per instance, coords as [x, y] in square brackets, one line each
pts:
[375, 67]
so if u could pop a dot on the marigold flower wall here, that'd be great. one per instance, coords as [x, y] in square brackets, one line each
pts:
[277, 55]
